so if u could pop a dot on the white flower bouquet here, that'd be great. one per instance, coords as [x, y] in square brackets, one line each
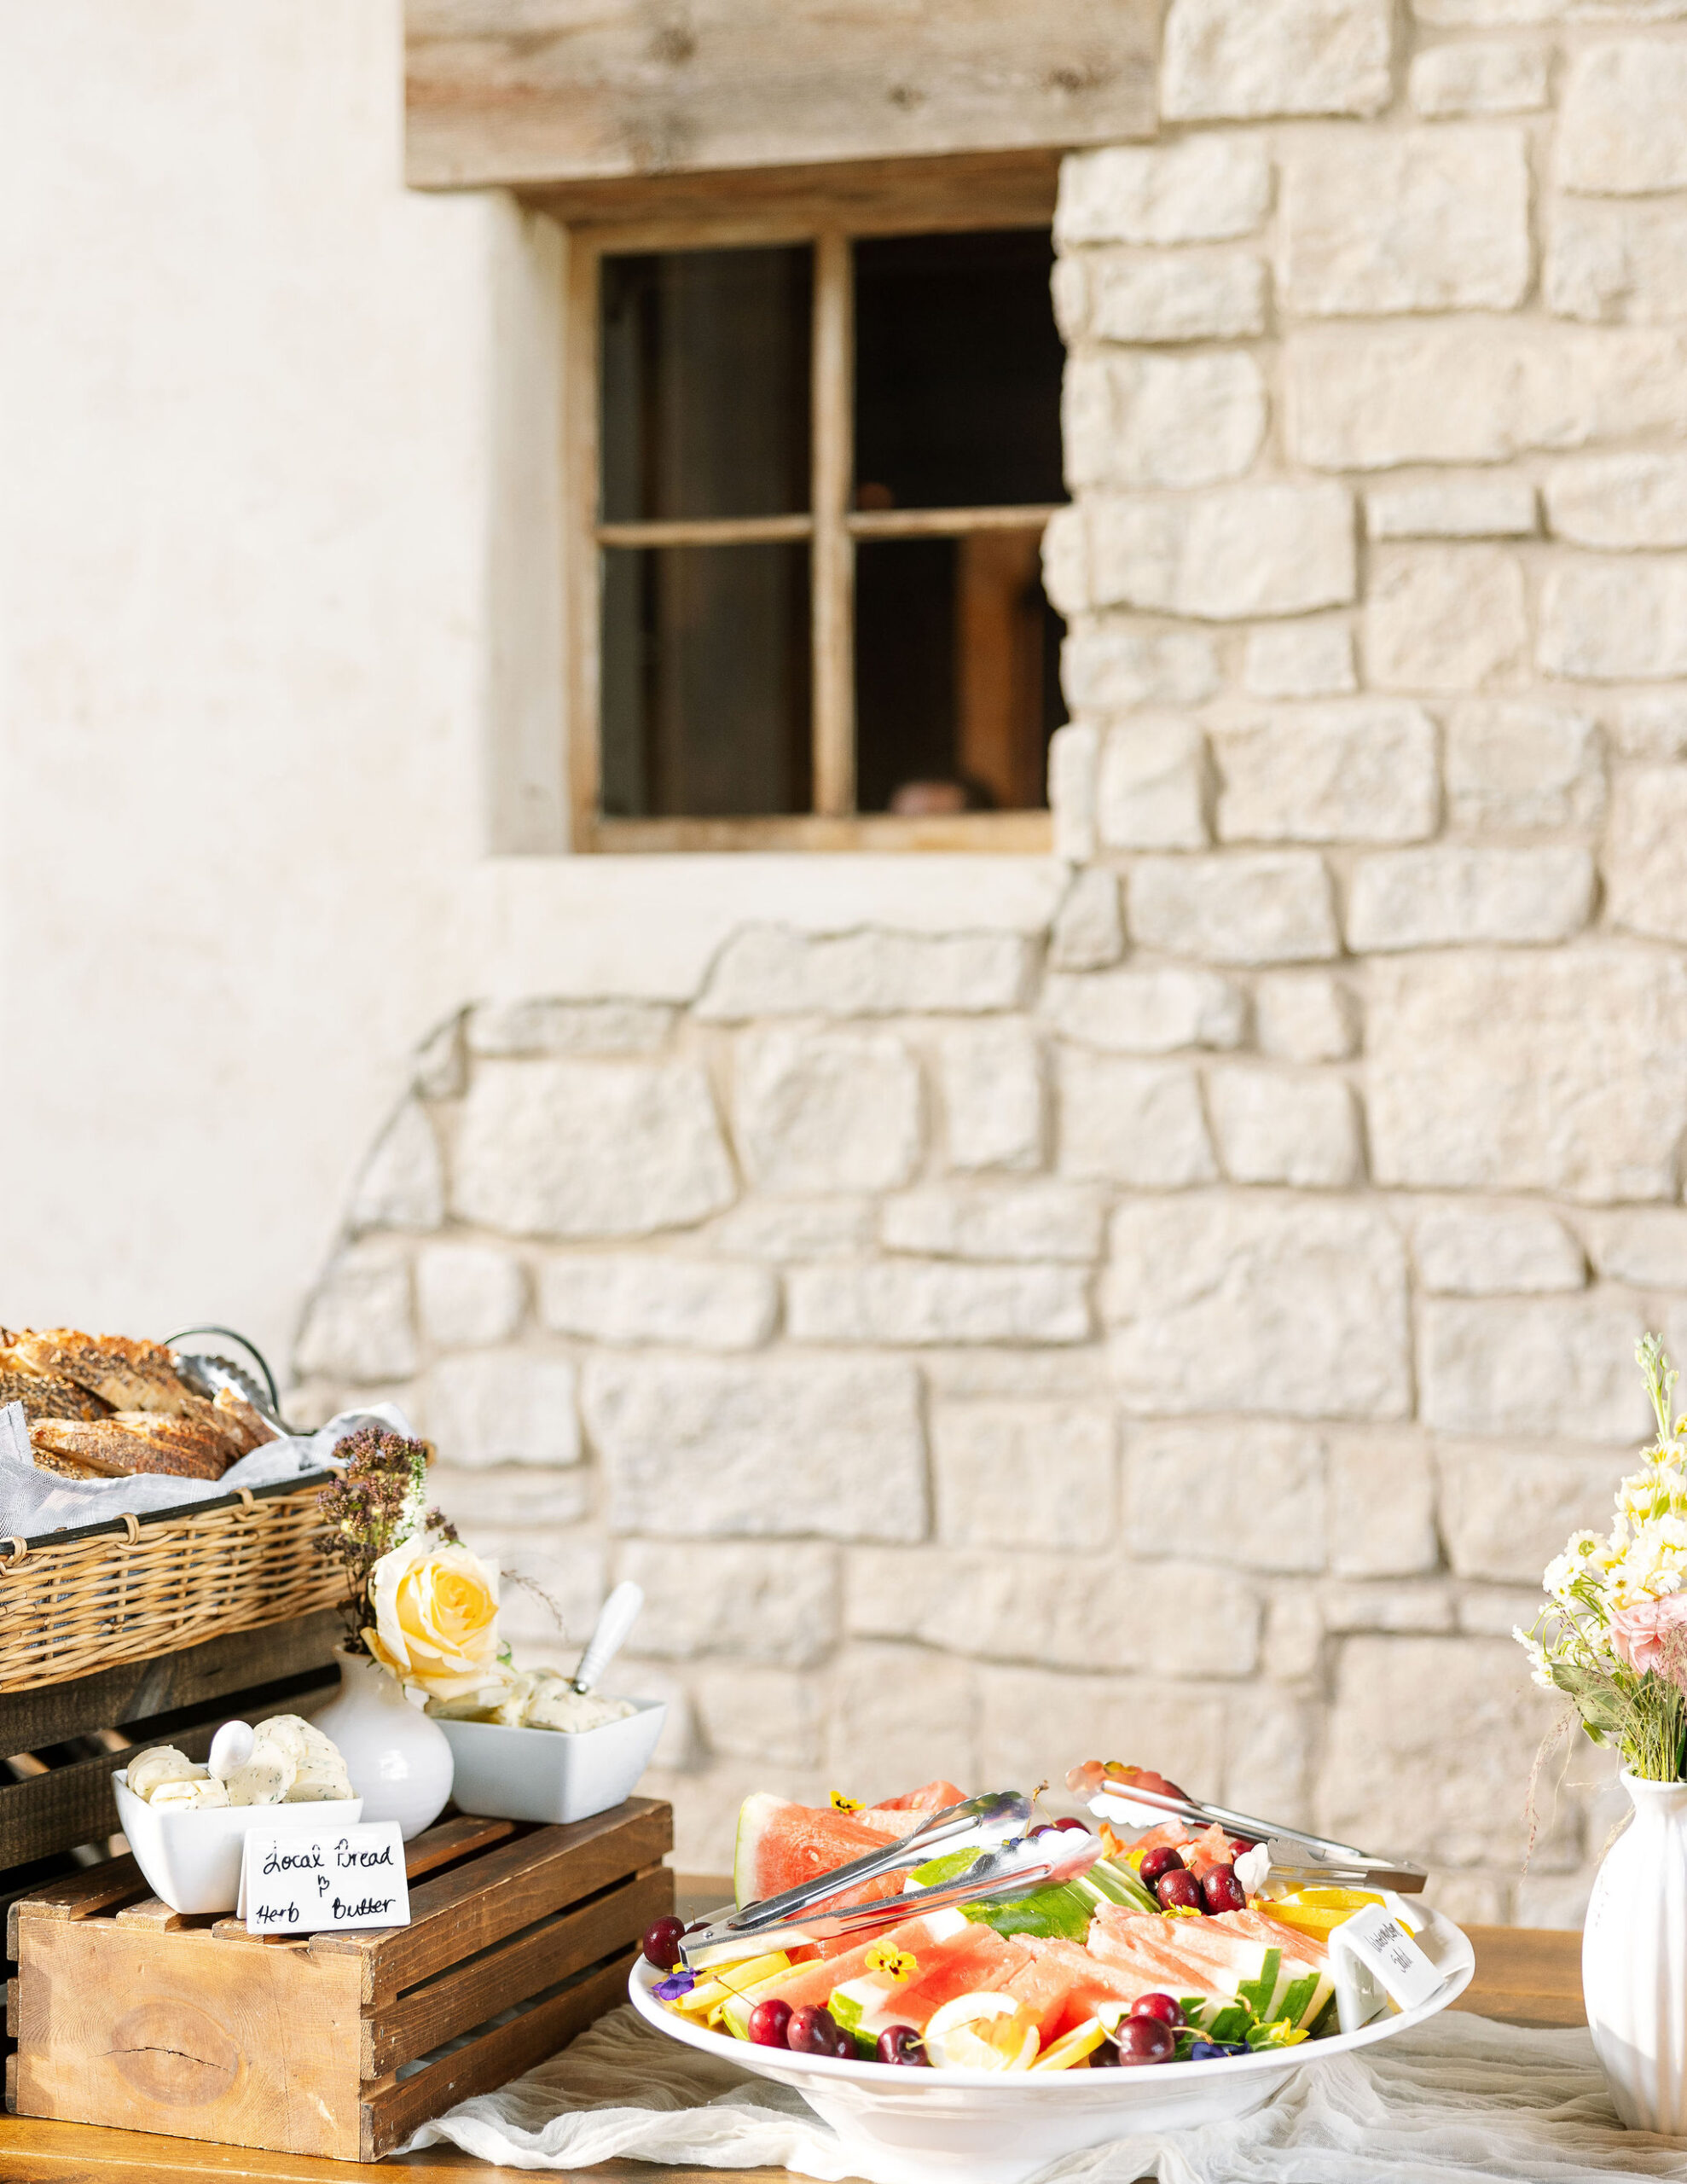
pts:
[1612, 1635]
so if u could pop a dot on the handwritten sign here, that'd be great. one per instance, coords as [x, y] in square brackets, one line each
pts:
[1371, 1956]
[313, 1880]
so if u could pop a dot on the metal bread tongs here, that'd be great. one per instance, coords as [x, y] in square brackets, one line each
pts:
[1011, 1864]
[1291, 1851]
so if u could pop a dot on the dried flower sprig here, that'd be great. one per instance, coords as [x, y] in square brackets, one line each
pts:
[378, 1503]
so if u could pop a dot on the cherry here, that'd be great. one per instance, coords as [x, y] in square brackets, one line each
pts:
[767, 2024]
[1144, 2040]
[1047, 1828]
[662, 1943]
[1071, 1821]
[1105, 2057]
[900, 2043]
[1180, 1888]
[1161, 1860]
[812, 2031]
[1158, 2006]
[1222, 1891]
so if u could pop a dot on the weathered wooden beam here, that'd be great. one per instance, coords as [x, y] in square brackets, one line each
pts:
[141, 1691]
[553, 90]
[76, 1804]
[858, 197]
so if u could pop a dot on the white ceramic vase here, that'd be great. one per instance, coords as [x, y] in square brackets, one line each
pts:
[1634, 1960]
[398, 1757]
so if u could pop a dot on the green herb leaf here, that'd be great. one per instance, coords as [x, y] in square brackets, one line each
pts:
[1050, 1914]
[950, 1867]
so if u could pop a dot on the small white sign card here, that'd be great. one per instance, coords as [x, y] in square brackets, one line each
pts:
[315, 1880]
[1372, 1955]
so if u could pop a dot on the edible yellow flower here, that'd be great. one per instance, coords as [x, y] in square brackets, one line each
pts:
[436, 1619]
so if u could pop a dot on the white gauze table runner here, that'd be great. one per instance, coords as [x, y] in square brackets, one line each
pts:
[1458, 2100]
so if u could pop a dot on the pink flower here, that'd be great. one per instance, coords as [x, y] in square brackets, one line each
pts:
[1640, 1635]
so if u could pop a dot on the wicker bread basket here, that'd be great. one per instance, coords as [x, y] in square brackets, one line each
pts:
[128, 1589]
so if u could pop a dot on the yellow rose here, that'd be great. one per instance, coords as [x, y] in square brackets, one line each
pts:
[436, 1619]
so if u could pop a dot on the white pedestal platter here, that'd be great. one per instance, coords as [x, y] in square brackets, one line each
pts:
[903, 2126]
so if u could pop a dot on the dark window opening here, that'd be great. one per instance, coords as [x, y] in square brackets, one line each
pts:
[707, 661]
[706, 681]
[957, 674]
[957, 364]
[706, 384]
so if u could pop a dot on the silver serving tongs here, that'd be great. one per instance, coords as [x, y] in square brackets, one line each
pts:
[1011, 1864]
[1291, 1850]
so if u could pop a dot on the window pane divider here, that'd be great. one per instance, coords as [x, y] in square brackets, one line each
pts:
[945, 523]
[833, 563]
[706, 531]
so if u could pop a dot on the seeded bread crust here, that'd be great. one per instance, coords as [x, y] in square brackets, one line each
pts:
[242, 1422]
[208, 1444]
[44, 1396]
[62, 1466]
[111, 1449]
[128, 1375]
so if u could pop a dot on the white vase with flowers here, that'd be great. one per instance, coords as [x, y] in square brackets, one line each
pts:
[1613, 1638]
[422, 1618]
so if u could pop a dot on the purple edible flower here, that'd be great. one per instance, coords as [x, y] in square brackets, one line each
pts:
[675, 1984]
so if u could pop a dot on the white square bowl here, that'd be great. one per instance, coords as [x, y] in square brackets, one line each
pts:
[551, 1775]
[193, 1859]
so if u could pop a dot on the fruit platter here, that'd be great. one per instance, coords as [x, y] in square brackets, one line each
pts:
[1160, 1978]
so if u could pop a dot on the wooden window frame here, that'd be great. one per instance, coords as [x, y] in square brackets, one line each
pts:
[894, 204]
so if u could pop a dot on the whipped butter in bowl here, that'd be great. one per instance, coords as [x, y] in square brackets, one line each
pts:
[185, 1821]
[536, 1749]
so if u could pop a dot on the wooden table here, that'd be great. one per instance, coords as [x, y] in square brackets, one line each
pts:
[1524, 1976]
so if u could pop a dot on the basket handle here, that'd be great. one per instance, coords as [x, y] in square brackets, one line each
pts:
[233, 1334]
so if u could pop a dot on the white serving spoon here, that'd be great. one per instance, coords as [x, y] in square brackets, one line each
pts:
[620, 1611]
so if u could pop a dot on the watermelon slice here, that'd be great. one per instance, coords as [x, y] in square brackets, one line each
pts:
[1063, 1987]
[781, 1844]
[953, 1957]
[900, 1816]
[810, 1983]
[950, 1957]
[1239, 1955]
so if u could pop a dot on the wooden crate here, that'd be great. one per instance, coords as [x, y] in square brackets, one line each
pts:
[63, 1740]
[127, 2013]
[177, 1699]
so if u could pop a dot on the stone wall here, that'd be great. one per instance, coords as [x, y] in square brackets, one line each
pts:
[1182, 1335]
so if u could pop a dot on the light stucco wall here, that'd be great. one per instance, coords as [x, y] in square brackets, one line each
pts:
[278, 671]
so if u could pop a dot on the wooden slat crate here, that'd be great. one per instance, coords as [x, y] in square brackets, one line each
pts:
[127, 2013]
[62, 1741]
